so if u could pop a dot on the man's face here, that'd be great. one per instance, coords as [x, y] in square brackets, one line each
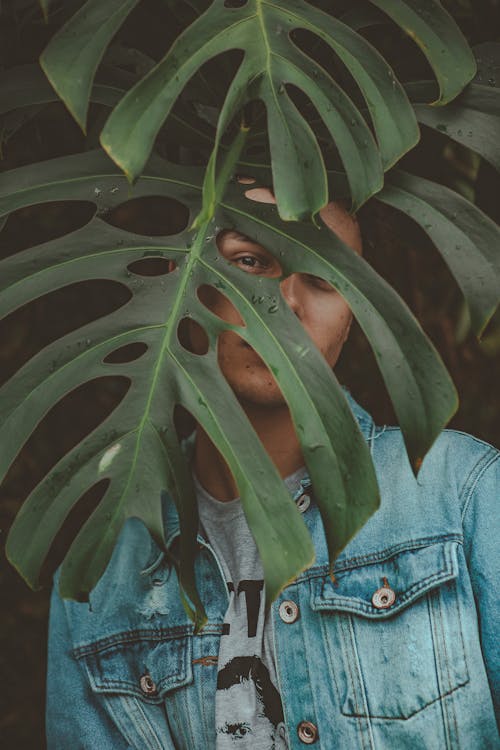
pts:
[321, 309]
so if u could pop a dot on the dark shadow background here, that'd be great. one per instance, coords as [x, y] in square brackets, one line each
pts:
[398, 250]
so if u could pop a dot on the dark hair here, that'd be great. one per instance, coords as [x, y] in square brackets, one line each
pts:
[251, 668]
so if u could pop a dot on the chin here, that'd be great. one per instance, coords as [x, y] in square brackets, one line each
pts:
[250, 379]
[264, 393]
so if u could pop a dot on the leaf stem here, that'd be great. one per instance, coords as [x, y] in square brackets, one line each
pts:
[213, 193]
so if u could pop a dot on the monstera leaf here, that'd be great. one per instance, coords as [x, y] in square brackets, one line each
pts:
[25, 89]
[136, 448]
[473, 118]
[465, 237]
[272, 63]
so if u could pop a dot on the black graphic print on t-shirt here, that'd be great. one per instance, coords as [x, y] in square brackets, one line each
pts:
[249, 709]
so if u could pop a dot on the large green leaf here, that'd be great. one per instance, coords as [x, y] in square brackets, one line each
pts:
[74, 53]
[466, 238]
[272, 61]
[472, 119]
[439, 38]
[26, 88]
[136, 447]
[27, 85]
[488, 64]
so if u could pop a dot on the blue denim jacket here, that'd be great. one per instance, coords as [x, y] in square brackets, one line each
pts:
[126, 671]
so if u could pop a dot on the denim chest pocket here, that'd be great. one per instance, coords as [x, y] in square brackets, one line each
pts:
[145, 664]
[393, 632]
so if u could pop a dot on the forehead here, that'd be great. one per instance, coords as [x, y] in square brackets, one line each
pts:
[334, 216]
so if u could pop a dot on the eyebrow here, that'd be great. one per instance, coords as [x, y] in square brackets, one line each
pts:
[241, 237]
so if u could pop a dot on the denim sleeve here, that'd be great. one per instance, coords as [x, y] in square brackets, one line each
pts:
[74, 718]
[481, 522]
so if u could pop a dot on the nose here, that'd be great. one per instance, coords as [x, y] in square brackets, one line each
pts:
[290, 289]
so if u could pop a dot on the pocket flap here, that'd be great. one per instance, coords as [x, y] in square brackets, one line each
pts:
[146, 664]
[408, 573]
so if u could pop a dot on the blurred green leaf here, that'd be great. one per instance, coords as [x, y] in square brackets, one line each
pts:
[466, 238]
[271, 62]
[439, 38]
[472, 119]
[75, 51]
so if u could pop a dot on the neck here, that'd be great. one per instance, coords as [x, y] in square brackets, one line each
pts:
[275, 429]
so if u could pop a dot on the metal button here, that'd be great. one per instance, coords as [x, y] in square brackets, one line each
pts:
[303, 502]
[148, 685]
[308, 732]
[288, 611]
[384, 597]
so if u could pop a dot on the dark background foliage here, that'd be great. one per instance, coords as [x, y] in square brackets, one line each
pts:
[396, 248]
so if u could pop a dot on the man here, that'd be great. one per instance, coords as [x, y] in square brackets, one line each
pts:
[398, 652]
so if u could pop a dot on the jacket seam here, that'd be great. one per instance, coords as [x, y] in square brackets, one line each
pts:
[139, 727]
[358, 605]
[134, 636]
[472, 481]
[386, 554]
[448, 431]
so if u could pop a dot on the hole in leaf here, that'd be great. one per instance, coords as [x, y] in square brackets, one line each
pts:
[219, 304]
[152, 266]
[30, 328]
[244, 179]
[81, 511]
[153, 215]
[261, 195]
[67, 423]
[257, 151]
[184, 422]
[234, 3]
[127, 353]
[192, 336]
[33, 225]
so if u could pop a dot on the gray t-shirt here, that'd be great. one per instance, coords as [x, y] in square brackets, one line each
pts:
[248, 710]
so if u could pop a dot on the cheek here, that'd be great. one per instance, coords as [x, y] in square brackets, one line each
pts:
[226, 344]
[330, 328]
[219, 304]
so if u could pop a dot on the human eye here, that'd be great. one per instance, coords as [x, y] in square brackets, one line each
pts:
[249, 256]
[251, 263]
